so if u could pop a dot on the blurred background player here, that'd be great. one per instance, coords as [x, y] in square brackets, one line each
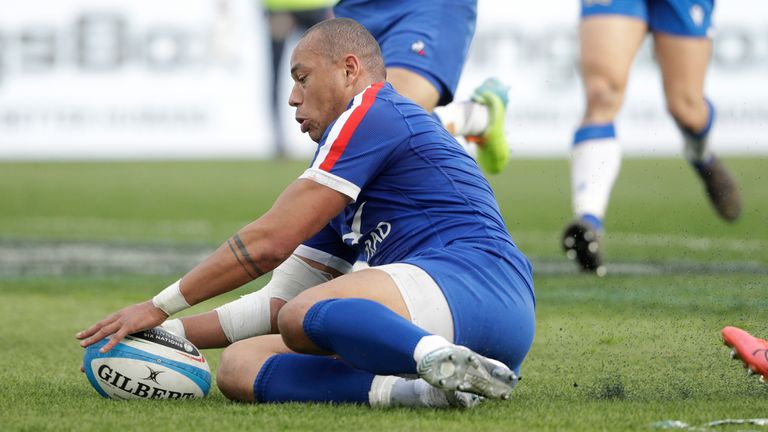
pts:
[425, 46]
[749, 349]
[287, 18]
[610, 35]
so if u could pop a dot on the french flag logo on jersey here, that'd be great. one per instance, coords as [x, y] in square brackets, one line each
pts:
[345, 127]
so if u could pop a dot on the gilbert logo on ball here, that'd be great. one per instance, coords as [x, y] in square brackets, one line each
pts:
[153, 364]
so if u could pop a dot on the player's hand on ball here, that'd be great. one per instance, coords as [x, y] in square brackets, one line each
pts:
[132, 319]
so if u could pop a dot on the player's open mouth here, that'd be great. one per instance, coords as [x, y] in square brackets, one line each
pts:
[304, 124]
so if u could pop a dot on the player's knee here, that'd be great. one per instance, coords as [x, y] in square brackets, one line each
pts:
[687, 108]
[290, 322]
[231, 376]
[604, 97]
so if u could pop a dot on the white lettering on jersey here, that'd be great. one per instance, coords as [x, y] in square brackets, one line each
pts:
[377, 236]
[357, 221]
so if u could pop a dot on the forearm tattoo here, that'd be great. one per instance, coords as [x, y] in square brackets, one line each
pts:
[238, 249]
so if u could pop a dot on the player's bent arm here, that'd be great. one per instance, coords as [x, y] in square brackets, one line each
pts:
[253, 314]
[300, 212]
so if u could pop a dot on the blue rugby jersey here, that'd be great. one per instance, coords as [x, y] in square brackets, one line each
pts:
[414, 188]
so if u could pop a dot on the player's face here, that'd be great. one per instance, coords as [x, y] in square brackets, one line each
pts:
[320, 91]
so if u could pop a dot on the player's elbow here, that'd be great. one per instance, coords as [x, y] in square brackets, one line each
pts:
[277, 250]
[267, 248]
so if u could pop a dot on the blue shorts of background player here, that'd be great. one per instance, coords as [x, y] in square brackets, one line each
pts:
[691, 18]
[431, 38]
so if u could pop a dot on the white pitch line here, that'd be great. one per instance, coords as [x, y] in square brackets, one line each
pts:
[107, 226]
[40, 259]
[26, 258]
[662, 240]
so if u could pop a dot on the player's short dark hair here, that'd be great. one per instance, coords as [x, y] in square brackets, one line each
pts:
[341, 36]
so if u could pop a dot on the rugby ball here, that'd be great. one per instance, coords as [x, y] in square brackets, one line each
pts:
[153, 364]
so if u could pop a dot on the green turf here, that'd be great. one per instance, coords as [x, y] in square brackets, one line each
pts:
[617, 353]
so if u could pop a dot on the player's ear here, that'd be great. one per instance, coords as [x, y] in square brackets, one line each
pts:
[352, 67]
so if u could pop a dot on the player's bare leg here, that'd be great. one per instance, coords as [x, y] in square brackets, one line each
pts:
[684, 65]
[241, 362]
[608, 46]
[414, 86]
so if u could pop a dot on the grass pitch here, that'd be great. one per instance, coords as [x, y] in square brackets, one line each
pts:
[616, 353]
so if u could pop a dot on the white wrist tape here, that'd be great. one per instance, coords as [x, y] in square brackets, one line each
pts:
[170, 300]
[250, 315]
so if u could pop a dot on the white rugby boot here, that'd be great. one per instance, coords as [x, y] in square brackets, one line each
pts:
[458, 368]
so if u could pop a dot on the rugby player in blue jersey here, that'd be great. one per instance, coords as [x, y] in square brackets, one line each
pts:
[448, 298]
[611, 32]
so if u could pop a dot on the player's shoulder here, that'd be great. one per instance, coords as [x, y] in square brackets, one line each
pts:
[393, 107]
[377, 113]
[384, 110]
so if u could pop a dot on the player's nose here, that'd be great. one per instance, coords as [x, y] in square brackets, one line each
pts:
[295, 98]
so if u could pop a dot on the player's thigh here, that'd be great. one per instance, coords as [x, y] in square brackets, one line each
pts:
[683, 62]
[608, 45]
[241, 362]
[367, 284]
[414, 86]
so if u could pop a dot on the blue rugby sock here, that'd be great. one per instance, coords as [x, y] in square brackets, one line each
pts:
[366, 334]
[593, 220]
[310, 378]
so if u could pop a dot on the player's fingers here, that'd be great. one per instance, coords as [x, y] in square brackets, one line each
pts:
[90, 331]
[101, 334]
[82, 368]
[114, 340]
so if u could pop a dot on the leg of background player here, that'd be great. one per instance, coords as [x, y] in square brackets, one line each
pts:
[608, 46]
[683, 62]
[281, 25]
[413, 86]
